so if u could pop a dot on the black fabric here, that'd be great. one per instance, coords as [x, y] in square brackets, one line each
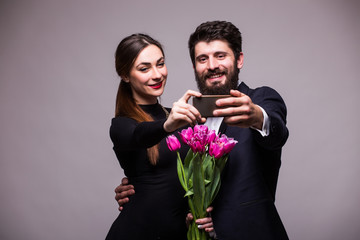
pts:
[158, 209]
[244, 208]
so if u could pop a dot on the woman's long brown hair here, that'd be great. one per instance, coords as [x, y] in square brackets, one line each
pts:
[126, 106]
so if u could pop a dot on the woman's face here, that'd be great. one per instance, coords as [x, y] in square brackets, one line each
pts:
[148, 75]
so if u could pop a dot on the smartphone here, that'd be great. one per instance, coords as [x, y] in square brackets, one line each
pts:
[206, 104]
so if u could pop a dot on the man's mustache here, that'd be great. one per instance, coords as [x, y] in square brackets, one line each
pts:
[214, 72]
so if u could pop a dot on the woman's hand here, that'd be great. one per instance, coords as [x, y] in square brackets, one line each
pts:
[203, 223]
[183, 113]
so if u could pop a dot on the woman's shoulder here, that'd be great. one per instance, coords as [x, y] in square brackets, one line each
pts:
[122, 119]
[122, 122]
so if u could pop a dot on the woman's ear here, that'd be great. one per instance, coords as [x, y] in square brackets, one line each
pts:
[125, 79]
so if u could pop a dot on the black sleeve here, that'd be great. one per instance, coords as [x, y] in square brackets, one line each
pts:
[275, 107]
[127, 134]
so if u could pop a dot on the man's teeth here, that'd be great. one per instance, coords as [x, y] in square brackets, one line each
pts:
[215, 76]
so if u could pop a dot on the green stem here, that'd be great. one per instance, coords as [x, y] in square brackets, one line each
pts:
[183, 172]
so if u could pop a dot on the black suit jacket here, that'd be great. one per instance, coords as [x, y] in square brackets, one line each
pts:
[244, 208]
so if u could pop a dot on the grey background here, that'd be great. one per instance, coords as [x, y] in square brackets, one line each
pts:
[58, 87]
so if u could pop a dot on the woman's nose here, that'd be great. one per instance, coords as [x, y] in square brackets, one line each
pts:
[156, 73]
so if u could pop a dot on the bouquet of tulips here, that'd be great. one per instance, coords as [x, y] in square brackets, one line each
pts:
[199, 173]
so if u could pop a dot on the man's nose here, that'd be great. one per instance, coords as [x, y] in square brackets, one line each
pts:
[212, 63]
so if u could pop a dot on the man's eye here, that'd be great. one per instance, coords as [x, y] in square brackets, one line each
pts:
[221, 56]
[203, 59]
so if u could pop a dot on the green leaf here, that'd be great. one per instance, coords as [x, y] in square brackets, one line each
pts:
[192, 208]
[209, 181]
[190, 170]
[220, 163]
[189, 193]
[181, 175]
[189, 157]
[191, 232]
[196, 230]
[199, 186]
[208, 167]
[215, 186]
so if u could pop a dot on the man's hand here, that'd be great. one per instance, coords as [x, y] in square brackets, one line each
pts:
[239, 110]
[122, 192]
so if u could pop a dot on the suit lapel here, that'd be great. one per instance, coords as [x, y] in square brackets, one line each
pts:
[223, 127]
[243, 88]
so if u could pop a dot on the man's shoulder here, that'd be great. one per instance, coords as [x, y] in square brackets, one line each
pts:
[244, 88]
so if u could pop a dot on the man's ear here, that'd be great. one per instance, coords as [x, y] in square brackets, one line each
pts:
[240, 60]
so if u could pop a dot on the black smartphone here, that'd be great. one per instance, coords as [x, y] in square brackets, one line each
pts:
[206, 104]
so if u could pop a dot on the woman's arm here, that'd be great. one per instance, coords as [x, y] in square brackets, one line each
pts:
[127, 134]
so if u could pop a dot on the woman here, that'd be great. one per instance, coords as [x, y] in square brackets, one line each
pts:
[138, 131]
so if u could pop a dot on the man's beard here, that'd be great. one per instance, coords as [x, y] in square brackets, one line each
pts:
[231, 82]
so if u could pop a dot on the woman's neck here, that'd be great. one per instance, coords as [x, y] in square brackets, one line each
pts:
[146, 101]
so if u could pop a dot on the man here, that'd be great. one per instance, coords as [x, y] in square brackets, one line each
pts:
[256, 118]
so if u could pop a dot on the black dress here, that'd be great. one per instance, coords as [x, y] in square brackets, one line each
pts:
[158, 208]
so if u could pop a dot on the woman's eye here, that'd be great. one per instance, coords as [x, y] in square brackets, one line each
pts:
[143, 69]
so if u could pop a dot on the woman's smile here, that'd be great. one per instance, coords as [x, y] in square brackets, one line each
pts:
[156, 85]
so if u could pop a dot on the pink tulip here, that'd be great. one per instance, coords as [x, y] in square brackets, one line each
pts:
[201, 128]
[186, 135]
[200, 138]
[221, 146]
[196, 146]
[229, 143]
[211, 136]
[215, 150]
[173, 143]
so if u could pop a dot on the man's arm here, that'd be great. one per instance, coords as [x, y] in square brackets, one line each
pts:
[123, 191]
[240, 110]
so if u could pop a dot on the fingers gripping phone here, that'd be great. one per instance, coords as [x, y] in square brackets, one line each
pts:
[206, 104]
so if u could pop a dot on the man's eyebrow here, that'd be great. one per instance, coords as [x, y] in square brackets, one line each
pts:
[215, 53]
[221, 52]
[201, 55]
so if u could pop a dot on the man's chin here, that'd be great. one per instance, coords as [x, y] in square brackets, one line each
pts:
[215, 82]
[216, 90]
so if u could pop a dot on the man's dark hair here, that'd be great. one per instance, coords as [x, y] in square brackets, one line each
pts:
[216, 30]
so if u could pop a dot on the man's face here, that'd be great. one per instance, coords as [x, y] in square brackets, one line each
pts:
[216, 69]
